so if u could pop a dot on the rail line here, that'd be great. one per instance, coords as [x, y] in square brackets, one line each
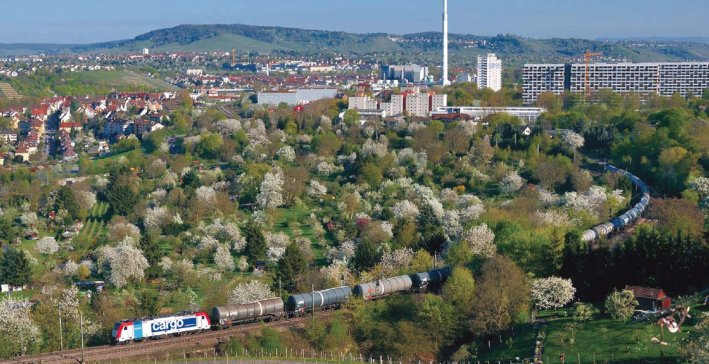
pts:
[146, 348]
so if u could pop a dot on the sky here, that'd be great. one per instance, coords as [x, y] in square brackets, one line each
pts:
[87, 21]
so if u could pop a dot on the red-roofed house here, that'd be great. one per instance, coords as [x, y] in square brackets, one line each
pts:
[68, 126]
[650, 299]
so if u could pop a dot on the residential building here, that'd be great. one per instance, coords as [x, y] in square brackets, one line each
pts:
[542, 78]
[489, 72]
[397, 105]
[438, 101]
[362, 103]
[417, 104]
[662, 79]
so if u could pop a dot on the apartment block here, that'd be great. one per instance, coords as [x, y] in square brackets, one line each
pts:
[541, 78]
[663, 79]
[489, 72]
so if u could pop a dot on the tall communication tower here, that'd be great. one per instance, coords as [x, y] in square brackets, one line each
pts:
[444, 75]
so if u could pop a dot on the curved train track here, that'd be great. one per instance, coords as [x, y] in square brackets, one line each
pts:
[141, 350]
[628, 218]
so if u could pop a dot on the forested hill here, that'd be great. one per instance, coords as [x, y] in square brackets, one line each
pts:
[279, 39]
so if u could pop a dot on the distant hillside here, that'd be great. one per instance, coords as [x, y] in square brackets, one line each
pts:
[420, 46]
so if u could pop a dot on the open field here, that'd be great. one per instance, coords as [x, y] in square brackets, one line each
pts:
[121, 78]
[601, 340]
[9, 92]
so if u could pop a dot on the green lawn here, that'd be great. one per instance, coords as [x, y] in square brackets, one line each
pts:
[295, 222]
[94, 225]
[598, 341]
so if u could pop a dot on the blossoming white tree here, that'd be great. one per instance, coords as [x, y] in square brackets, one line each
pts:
[18, 333]
[511, 183]
[223, 259]
[271, 192]
[396, 259]
[316, 189]
[551, 293]
[122, 263]
[481, 240]
[47, 245]
[573, 140]
[156, 217]
[249, 292]
[405, 210]
[286, 153]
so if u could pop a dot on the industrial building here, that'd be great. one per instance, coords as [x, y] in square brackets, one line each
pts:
[410, 73]
[489, 72]
[526, 114]
[296, 97]
[664, 79]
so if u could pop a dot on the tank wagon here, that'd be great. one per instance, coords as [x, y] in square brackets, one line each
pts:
[383, 287]
[627, 218]
[300, 304]
[435, 277]
[268, 309]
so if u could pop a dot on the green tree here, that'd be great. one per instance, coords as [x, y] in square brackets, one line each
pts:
[459, 290]
[438, 318]
[366, 256]
[621, 304]
[256, 246]
[122, 192]
[151, 250]
[432, 236]
[209, 145]
[66, 200]
[291, 265]
[695, 347]
[502, 295]
[148, 303]
[351, 118]
[14, 268]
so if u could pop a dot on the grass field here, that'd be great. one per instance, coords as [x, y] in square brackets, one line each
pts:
[295, 222]
[9, 92]
[121, 78]
[94, 225]
[601, 340]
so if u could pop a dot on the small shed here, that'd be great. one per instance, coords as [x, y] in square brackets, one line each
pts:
[650, 299]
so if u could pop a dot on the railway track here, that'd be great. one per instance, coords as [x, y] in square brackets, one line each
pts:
[143, 350]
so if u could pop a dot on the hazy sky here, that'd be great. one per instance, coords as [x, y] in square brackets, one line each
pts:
[84, 21]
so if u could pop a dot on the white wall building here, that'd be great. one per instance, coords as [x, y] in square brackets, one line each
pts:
[527, 114]
[489, 72]
[362, 103]
[417, 104]
[439, 101]
[296, 97]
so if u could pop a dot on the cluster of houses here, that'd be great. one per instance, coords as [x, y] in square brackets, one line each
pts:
[229, 88]
[55, 122]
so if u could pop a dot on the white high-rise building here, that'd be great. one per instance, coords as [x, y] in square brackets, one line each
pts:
[439, 101]
[444, 76]
[362, 103]
[417, 104]
[489, 72]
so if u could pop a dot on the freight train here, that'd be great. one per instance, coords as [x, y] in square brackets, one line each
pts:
[274, 308]
[626, 219]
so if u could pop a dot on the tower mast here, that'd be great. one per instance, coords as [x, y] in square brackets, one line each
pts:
[444, 76]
